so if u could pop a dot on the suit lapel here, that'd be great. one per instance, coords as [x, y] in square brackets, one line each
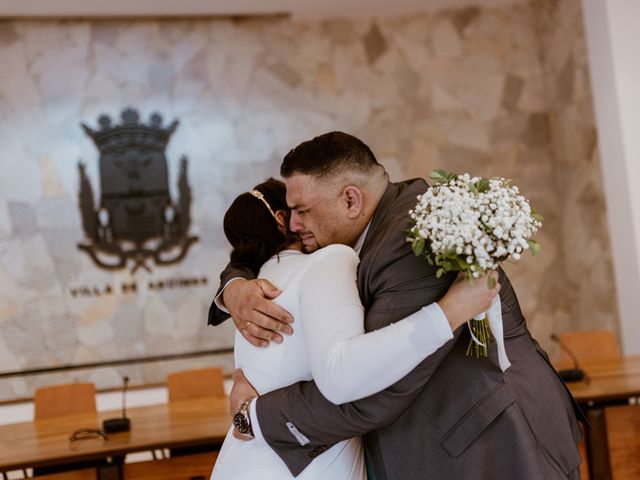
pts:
[385, 213]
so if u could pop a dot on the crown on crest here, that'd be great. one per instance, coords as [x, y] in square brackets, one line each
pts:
[130, 133]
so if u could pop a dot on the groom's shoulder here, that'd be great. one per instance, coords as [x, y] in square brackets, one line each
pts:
[406, 197]
[412, 186]
[392, 217]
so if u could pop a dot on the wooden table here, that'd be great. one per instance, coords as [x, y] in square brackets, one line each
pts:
[179, 424]
[611, 383]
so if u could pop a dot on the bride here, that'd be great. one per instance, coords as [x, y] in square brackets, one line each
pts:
[329, 344]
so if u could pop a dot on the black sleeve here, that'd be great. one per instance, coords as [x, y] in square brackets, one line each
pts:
[233, 270]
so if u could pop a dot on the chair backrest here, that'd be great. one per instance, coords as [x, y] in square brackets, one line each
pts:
[201, 382]
[623, 439]
[591, 345]
[65, 399]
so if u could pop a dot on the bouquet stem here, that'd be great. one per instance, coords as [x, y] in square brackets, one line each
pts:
[480, 329]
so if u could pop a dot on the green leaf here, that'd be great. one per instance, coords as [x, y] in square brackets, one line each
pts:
[482, 185]
[451, 253]
[534, 246]
[537, 217]
[440, 176]
[418, 246]
[462, 263]
[439, 272]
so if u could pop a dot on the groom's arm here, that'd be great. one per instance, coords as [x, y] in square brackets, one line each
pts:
[396, 289]
[302, 407]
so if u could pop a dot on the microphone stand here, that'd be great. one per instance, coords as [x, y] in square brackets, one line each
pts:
[122, 424]
[575, 374]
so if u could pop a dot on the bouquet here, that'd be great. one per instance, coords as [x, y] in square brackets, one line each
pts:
[471, 224]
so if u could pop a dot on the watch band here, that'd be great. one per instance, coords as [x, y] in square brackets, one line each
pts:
[242, 420]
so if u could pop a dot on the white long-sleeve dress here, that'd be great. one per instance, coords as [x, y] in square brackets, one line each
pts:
[330, 346]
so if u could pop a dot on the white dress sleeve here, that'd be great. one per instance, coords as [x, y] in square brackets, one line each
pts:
[346, 363]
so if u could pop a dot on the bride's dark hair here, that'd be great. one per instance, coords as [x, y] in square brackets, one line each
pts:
[251, 228]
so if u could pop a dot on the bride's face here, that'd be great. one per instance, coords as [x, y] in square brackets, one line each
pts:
[318, 212]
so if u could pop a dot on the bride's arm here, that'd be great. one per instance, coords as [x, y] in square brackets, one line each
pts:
[346, 363]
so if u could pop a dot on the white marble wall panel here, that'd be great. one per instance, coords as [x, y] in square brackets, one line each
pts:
[500, 91]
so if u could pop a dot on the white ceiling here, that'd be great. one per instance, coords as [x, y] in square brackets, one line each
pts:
[296, 8]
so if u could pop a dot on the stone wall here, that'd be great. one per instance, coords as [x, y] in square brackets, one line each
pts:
[491, 91]
[587, 264]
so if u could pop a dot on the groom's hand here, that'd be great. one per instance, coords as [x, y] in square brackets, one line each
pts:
[464, 300]
[258, 319]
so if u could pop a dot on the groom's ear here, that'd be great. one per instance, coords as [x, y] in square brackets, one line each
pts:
[354, 200]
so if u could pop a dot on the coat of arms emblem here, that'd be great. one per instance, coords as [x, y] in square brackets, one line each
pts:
[136, 218]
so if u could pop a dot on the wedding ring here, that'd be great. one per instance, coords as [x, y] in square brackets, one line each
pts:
[247, 325]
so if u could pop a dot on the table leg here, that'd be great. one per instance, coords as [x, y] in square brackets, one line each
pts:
[597, 446]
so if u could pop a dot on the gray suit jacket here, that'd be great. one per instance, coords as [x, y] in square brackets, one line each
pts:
[452, 417]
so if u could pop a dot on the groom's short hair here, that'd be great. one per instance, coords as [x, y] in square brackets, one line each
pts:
[329, 154]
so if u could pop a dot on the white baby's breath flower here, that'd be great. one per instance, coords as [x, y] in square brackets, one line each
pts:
[479, 221]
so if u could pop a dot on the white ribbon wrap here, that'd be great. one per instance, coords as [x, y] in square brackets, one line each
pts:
[494, 314]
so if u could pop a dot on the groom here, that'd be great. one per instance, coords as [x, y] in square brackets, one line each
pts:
[452, 417]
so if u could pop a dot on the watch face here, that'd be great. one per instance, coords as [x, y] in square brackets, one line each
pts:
[240, 423]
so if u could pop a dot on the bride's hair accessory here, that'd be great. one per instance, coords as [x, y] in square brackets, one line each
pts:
[258, 194]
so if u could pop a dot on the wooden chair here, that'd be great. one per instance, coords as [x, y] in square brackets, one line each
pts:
[195, 383]
[623, 438]
[185, 467]
[61, 400]
[201, 382]
[584, 465]
[591, 346]
[66, 399]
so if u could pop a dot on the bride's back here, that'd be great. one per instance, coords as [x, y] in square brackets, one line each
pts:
[278, 365]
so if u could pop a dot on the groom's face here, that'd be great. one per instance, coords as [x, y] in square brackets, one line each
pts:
[317, 212]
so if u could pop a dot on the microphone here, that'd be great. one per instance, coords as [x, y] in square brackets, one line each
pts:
[575, 374]
[122, 424]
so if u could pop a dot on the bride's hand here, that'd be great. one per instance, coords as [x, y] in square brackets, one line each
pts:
[240, 391]
[464, 300]
[258, 319]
